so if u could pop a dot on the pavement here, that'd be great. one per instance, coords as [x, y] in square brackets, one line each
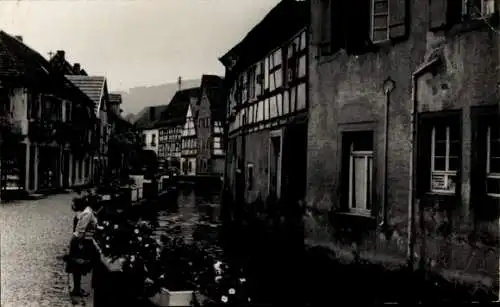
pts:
[34, 236]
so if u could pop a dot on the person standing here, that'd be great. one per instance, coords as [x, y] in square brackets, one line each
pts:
[82, 249]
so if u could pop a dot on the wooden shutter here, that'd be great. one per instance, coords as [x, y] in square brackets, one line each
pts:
[397, 18]
[437, 14]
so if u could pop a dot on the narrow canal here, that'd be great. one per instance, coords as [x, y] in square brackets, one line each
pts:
[191, 211]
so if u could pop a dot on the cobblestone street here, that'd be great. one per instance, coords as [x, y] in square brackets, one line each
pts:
[34, 237]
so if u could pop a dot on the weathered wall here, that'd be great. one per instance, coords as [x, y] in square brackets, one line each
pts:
[19, 108]
[149, 137]
[346, 93]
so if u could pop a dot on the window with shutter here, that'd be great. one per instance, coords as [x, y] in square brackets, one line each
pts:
[388, 20]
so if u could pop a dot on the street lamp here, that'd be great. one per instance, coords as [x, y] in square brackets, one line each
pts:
[388, 86]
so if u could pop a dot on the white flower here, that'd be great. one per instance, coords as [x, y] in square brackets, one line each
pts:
[146, 245]
[242, 280]
[249, 300]
[232, 291]
[115, 226]
[107, 246]
[132, 258]
[107, 238]
[100, 227]
[139, 238]
[217, 278]
[224, 299]
[136, 230]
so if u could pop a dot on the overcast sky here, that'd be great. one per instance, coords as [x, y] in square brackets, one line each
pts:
[135, 42]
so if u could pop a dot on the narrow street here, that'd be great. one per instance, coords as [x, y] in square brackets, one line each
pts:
[34, 237]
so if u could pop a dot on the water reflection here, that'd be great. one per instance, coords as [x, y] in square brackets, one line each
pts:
[191, 211]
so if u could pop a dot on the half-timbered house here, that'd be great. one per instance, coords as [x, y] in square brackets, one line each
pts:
[170, 126]
[209, 126]
[45, 118]
[266, 74]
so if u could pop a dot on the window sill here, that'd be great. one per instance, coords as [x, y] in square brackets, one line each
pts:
[357, 213]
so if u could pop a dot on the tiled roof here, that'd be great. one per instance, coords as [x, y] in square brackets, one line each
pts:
[16, 59]
[20, 62]
[115, 98]
[214, 88]
[176, 111]
[144, 120]
[93, 86]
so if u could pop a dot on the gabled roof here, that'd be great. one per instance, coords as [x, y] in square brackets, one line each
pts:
[114, 98]
[213, 86]
[144, 120]
[93, 86]
[175, 114]
[278, 26]
[59, 63]
[20, 62]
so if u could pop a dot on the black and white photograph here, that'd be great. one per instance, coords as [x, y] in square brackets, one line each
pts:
[202, 153]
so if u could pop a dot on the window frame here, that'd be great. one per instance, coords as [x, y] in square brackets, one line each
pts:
[447, 173]
[349, 137]
[372, 21]
[489, 174]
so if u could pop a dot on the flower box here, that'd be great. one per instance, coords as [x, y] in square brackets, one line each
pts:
[172, 298]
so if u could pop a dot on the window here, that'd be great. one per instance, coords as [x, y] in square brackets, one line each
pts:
[380, 20]
[217, 146]
[153, 140]
[218, 127]
[252, 83]
[358, 166]
[387, 20]
[493, 161]
[275, 149]
[478, 8]
[445, 151]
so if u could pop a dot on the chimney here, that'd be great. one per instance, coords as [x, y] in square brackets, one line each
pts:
[152, 113]
[76, 68]
[61, 54]
[19, 38]
[179, 82]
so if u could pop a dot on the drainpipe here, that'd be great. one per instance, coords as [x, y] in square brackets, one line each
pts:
[388, 87]
[412, 182]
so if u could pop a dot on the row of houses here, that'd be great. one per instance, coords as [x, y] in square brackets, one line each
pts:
[382, 117]
[187, 133]
[56, 121]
